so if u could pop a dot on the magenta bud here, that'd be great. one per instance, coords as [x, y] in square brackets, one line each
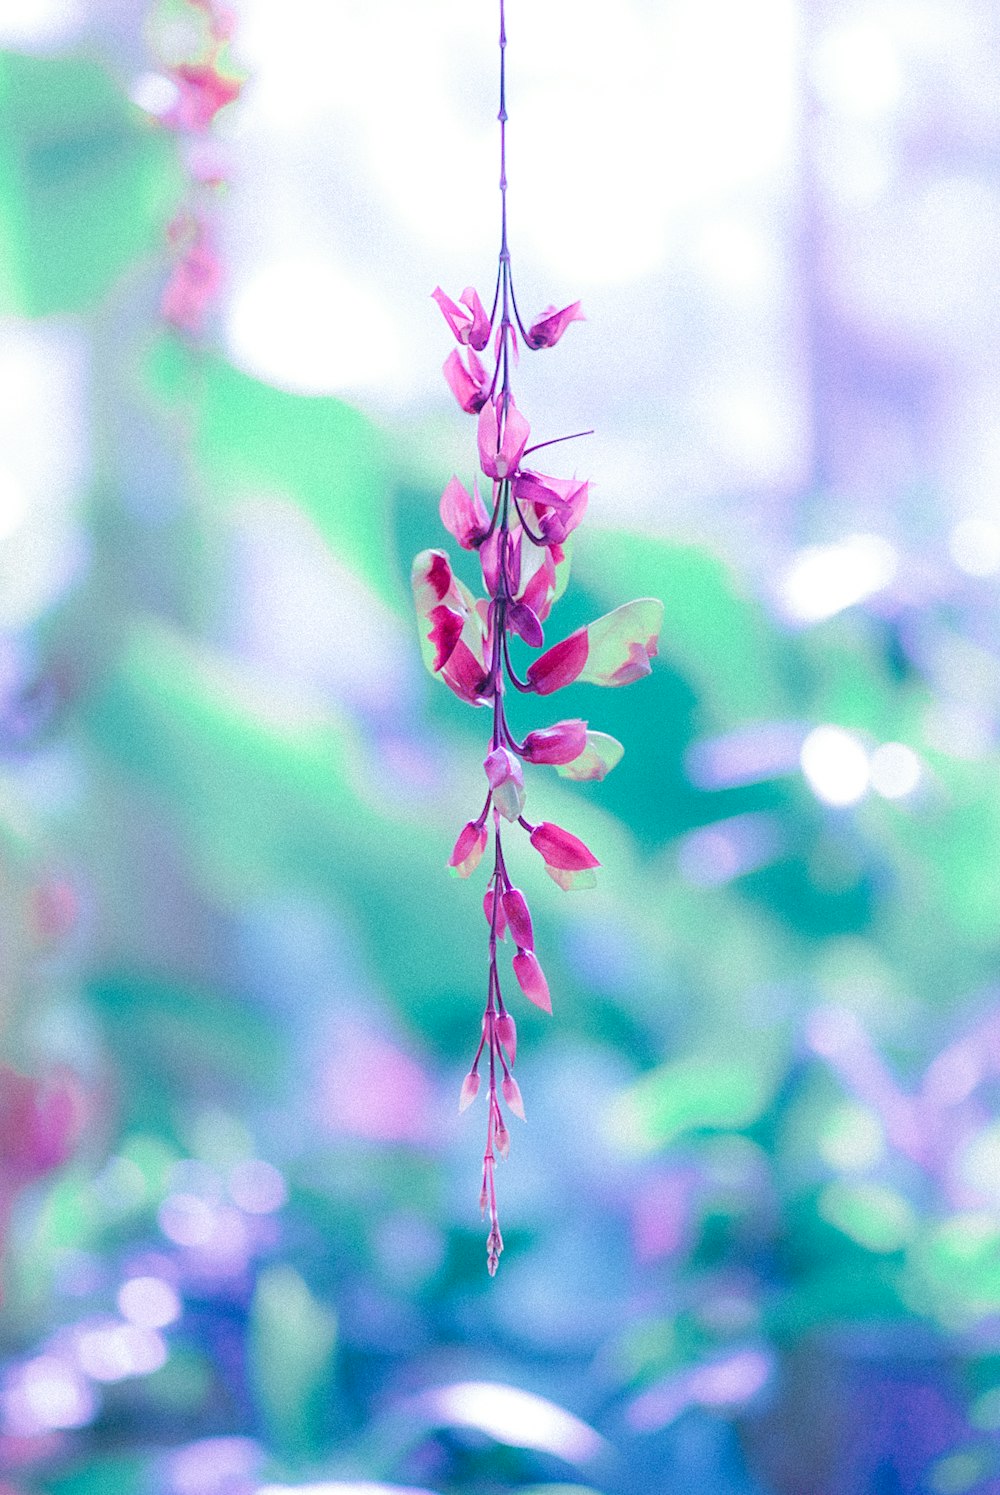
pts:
[523, 620]
[468, 849]
[501, 1137]
[531, 979]
[506, 1032]
[519, 919]
[559, 848]
[501, 924]
[470, 1089]
[512, 1095]
[506, 780]
[559, 744]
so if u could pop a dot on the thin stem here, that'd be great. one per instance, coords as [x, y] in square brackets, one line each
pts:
[555, 441]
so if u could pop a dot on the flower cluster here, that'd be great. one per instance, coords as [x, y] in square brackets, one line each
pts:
[196, 88]
[522, 536]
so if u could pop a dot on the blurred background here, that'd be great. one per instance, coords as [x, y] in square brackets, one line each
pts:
[753, 1223]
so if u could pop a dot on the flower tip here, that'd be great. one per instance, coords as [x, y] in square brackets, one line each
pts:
[512, 1095]
[531, 979]
[506, 1032]
[470, 1089]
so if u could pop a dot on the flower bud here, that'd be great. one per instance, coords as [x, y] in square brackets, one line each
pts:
[501, 924]
[468, 849]
[506, 779]
[519, 919]
[558, 744]
[501, 1137]
[531, 979]
[512, 1095]
[470, 1089]
[506, 1032]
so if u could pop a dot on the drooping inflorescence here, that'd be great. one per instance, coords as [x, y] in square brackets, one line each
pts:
[521, 537]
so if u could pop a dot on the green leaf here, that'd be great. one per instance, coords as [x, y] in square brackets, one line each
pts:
[86, 185]
[292, 1338]
[319, 453]
[721, 1093]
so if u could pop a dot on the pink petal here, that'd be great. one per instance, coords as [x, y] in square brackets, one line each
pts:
[515, 438]
[479, 328]
[549, 328]
[561, 849]
[470, 1089]
[501, 1137]
[445, 632]
[598, 756]
[559, 744]
[531, 979]
[467, 385]
[501, 924]
[456, 655]
[560, 665]
[621, 644]
[201, 92]
[506, 1031]
[518, 918]
[512, 1095]
[468, 849]
[523, 620]
[572, 882]
[487, 434]
[463, 513]
[466, 675]
[498, 456]
[506, 780]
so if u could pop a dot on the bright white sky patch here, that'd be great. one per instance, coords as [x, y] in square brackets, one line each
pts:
[39, 23]
[823, 580]
[975, 546]
[306, 326]
[835, 765]
[856, 70]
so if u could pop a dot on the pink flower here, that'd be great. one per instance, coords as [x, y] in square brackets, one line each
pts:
[560, 665]
[551, 325]
[468, 849]
[455, 653]
[470, 325]
[193, 285]
[531, 979]
[512, 1095]
[518, 919]
[559, 744]
[561, 849]
[613, 650]
[523, 620]
[506, 779]
[499, 457]
[506, 1032]
[40, 1121]
[201, 92]
[470, 1089]
[468, 385]
[463, 513]
[559, 503]
[501, 923]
